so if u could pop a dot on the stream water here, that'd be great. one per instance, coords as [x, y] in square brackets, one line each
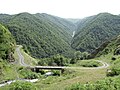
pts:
[11, 81]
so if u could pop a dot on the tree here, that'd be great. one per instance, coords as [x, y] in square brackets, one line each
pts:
[85, 55]
[78, 55]
[73, 61]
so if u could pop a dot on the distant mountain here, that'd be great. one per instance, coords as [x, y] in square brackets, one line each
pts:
[7, 44]
[61, 22]
[42, 35]
[73, 20]
[93, 31]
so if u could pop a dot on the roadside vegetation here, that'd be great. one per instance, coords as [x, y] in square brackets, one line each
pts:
[87, 63]
[48, 40]
[20, 85]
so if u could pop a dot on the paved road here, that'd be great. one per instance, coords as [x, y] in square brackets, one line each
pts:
[22, 63]
[21, 57]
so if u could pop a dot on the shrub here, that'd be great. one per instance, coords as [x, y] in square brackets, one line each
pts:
[56, 72]
[107, 84]
[22, 85]
[56, 60]
[73, 61]
[28, 74]
[89, 63]
[115, 68]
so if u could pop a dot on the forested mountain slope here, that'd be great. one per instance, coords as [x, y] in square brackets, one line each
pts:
[60, 22]
[7, 44]
[93, 31]
[112, 46]
[41, 35]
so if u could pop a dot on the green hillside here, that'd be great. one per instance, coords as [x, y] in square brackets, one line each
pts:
[41, 35]
[93, 31]
[44, 35]
[109, 51]
[7, 44]
[112, 46]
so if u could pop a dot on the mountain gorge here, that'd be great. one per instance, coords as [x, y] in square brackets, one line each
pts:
[63, 50]
[93, 31]
[41, 35]
[44, 35]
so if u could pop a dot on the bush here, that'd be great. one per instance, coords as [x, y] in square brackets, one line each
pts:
[107, 84]
[89, 63]
[56, 72]
[28, 74]
[73, 61]
[22, 85]
[56, 60]
[115, 68]
[114, 71]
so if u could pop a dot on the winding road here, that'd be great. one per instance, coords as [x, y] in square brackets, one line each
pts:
[21, 57]
[22, 63]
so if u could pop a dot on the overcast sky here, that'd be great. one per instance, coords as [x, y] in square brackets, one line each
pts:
[61, 8]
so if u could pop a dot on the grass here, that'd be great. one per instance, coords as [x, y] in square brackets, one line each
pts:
[86, 63]
[60, 83]
[8, 72]
[106, 58]
[28, 59]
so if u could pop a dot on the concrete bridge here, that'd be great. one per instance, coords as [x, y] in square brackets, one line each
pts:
[38, 68]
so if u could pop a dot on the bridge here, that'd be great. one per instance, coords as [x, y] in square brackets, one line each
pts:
[38, 68]
[61, 68]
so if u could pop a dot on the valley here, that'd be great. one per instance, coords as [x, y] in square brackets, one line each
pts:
[80, 54]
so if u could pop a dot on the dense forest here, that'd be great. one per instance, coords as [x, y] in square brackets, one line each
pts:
[93, 31]
[41, 35]
[7, 44]
[50, 39]
[112, 80]
[44, 35]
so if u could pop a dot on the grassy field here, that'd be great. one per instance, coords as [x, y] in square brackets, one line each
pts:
[82, 76]
[61, 82]
[8, 72]
[68, 78]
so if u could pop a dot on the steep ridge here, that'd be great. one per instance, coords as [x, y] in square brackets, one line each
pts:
[44, 35]
[93, 31]
[41, 35]
[60, 22]
[7, 44]
[112, 46]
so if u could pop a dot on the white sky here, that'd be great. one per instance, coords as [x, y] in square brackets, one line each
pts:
[61, 8]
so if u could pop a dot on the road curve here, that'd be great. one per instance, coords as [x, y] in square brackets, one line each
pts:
[21, 57]
[104, 65]
[22, 63]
